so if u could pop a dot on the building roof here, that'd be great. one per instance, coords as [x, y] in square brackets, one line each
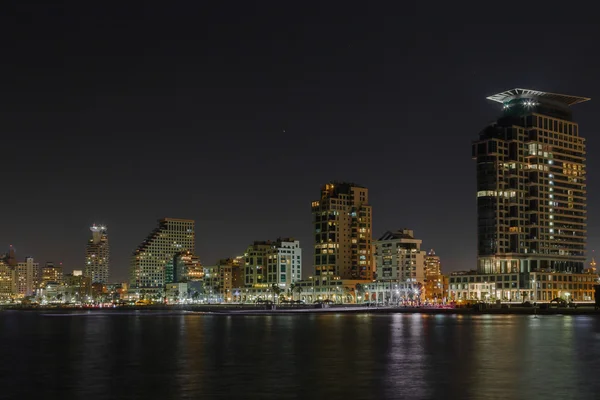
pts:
[528, 93]
[389, 235]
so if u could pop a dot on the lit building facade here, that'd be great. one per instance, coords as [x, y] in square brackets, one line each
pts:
[399, 259]
[78, 288]
[267, 263]
[150, 259]
[7, 281]
[434, 280]
[342, 219]
[541, 286]
[97, 256]
[531, 205]
[51, 274]
[531, 186]
[27, 276]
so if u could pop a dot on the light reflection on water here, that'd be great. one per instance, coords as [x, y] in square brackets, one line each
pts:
[142, 355]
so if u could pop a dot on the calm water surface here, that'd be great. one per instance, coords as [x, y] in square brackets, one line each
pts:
[147, 355]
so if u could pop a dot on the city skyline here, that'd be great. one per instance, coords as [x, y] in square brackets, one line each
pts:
[297, 99]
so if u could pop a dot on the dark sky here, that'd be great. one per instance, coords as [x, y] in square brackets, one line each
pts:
[234, 114]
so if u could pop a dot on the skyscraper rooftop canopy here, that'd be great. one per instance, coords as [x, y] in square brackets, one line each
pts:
[519, 93]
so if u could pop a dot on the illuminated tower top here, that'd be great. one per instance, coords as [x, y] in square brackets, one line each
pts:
[97, 231]
[519, 102]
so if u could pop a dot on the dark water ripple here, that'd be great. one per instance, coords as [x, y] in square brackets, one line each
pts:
[176, 356]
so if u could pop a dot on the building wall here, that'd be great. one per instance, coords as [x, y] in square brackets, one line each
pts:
[399, 258]
[97, 256]
[51, 274]
[27, 276]
[531, 193]
[540, 286]
[342, 220]
[7, 281]
[268, 263]
[149, 261]
[434, 280]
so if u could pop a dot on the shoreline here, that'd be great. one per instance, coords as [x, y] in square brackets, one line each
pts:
[242, 310]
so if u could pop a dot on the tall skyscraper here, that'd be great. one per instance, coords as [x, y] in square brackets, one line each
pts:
[531, 190]
[343, 232]
[150, 259]
[433, 266]
[434, 280]
[97, 255]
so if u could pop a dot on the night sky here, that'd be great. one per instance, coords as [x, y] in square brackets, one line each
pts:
[235, 114]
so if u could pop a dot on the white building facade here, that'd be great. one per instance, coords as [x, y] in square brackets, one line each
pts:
[399, 259]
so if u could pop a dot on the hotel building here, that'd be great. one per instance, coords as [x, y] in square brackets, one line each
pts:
[97, 256]
[531, 186]
[531, 203]
[342, 219]
[149, 261]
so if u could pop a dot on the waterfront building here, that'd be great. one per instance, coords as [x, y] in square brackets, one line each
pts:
[192, 267]
[400, 260]
[7, 281]
[531, 186]
[434, 280]
[27, 277]
[97, 255]
[78, 288]
[531, 204]
[273, 262]
[540, 286]
[51, 274]
[176, 292]
[342, 219]
[149, 261]
[183, 267]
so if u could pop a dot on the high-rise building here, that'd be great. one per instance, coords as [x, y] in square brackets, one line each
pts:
[8, 274]
[268, 263]
[433, 266]
[27, 277]
[434, 280]
[183, 267]
[7, 281]
[343, 232]
[531, 186]
[97, 255]
[399, 259]
[150, 259]
[51, 274]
